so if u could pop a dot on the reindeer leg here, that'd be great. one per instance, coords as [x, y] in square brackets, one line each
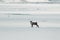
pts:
[31, 25]
[38, 26]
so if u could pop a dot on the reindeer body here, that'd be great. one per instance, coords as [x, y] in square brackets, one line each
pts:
[34, 23]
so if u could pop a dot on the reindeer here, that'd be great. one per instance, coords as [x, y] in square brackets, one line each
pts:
[34, 23]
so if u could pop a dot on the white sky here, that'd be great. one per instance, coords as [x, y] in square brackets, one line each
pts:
[27, 0]
[37, 0]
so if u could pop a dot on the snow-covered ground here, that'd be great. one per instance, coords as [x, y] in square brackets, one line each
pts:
[44, 20]
[27, 33]
[30, 8]
[17, 27]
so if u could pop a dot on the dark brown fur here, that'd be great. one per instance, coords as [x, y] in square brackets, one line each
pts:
[34, 23]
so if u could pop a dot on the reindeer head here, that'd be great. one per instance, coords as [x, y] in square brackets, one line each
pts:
[31, 21]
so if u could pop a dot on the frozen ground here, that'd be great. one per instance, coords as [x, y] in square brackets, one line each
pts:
[44, 20]
[18, 27]
[27, 33]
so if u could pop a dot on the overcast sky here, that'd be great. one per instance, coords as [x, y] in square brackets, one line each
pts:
[27, 0]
